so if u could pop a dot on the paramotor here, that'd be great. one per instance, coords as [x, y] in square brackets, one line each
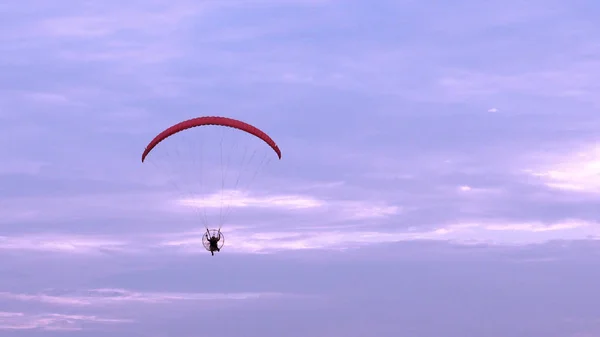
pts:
[211, 161]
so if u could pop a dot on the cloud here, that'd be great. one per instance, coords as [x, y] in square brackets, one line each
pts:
[105, 297]
[576, 171]
[21, 167]
[80, 205]
[257, 240]
[128, 211]
[351, 238]
[233, 198]
[466, 190]
[238, 240]
[570, 80]
[379, 112]
[51, 321]
[65, 244]
[538, 227]
[336, 209]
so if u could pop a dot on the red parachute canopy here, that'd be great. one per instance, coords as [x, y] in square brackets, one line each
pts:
[211, 120]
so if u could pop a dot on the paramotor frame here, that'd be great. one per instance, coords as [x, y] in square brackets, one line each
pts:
[213, 233]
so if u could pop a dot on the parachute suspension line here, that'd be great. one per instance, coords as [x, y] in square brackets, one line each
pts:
[169, 157]
[260, 165]
[237, 181]
[222, 179]
[194, 165]
[176, 158]
[184, 163]
[169, 172]
[230, 197]
[188, 166]
[158, 168]
[203, 192]
[197, 168]
[169, 180]
[240, 175]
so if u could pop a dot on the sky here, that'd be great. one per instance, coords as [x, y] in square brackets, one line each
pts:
[440, 171]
